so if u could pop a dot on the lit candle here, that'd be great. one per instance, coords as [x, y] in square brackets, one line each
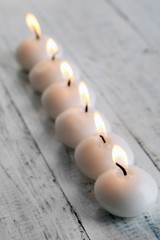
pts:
[125, 191]
[47, 71]
[32, 49]
[93, 155]
[63, 94]
[75, 124]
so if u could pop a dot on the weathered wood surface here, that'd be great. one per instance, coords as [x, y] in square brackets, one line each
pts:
[143, 17]
[43, 195]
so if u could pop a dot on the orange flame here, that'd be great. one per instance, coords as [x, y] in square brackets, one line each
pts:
[119, 156]
[33, 24]
[51, 47]
[100, 125]
[84, 94]
[67, 71]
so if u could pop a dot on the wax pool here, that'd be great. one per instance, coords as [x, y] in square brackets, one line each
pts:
[93, 156]
[126, 196]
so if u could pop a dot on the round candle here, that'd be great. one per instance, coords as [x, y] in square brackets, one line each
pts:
[63, 94]
[75, 124]
[93, 155]
[32, 49]
[48, 71]
[125, 191]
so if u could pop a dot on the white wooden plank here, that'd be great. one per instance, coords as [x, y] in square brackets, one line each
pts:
[32, 204]
[143, 17]
[83, 47]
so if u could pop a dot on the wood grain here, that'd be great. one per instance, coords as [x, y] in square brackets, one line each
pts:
[112, 58]
[33, 205]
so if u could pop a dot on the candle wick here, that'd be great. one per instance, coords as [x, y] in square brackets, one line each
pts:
[103, 139]
[37, 35]
[122, 168]
[69, 82]
[54, 55]
[86, 108]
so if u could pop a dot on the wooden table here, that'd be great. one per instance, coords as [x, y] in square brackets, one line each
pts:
[116, 45]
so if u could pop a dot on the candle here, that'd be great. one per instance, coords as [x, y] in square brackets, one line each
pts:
[93, 155]
[32, 49]
[48, 71]
[77, 123]
[125, 191]
[63, 94]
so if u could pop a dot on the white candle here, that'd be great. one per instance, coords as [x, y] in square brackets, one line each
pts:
[93, 155]
[75, 124]
[125, 191]
[63, 94]
[48, 71]
[32, 49]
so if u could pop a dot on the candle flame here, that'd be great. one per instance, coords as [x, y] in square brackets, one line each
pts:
[67, 71]
[100, 125]
[119, 156]
[84, 94]
[51, 47]
[33, 24]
